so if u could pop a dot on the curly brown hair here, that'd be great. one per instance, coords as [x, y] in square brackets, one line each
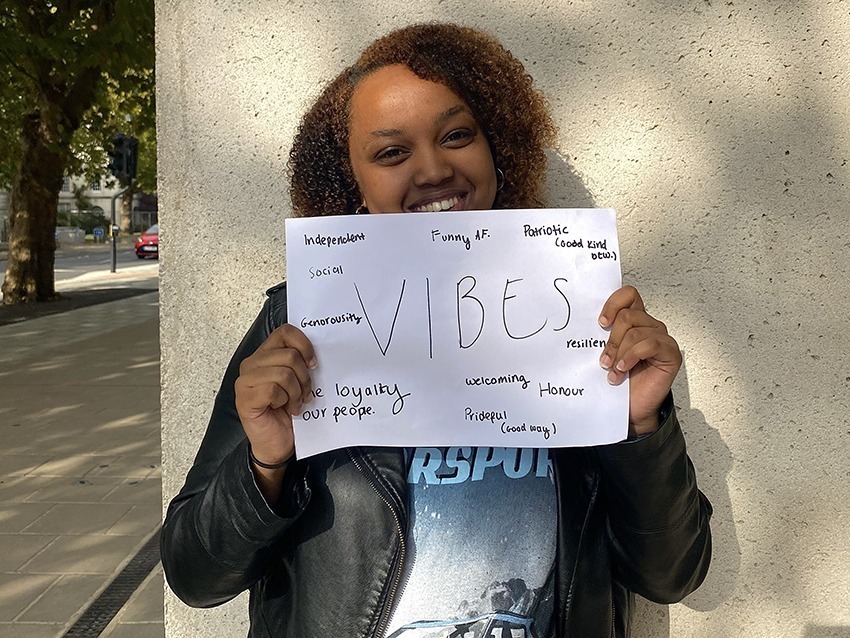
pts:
[511, 112]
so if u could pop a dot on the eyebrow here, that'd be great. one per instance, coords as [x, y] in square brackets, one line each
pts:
[439, 120]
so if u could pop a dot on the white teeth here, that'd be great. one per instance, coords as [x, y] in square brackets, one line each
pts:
[435, 207]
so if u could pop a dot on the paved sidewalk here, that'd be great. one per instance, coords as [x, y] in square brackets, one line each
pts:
[80, 482]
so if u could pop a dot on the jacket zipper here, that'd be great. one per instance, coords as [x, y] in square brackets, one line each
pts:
[613, 618]
[569, 600]
[386, 612]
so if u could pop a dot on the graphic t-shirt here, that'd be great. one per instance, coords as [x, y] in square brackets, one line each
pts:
[481, 545]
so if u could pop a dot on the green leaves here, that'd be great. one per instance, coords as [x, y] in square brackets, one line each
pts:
[52, 54]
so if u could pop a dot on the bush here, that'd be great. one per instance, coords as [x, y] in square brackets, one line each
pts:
[84, 219]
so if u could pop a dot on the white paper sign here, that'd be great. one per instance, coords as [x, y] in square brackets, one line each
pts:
[447, 329]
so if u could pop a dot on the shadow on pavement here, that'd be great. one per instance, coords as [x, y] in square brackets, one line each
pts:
[70, 300]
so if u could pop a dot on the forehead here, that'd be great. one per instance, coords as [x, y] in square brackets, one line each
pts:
[394, 96]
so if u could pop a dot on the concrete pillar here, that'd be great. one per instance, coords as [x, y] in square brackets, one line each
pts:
[718, 130]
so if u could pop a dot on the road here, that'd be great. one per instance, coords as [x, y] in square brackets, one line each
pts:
[88, 267]
[72, 262]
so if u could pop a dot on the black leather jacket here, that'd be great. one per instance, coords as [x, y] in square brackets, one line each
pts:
[327, 563]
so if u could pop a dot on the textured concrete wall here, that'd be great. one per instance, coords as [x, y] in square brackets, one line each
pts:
[718, 131]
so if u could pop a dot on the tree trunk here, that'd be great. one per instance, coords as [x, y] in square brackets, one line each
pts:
[32, 215]
[45, 139]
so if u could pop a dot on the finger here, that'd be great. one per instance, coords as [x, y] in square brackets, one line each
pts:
[626, 320]
[656, 348]
[625, 297]
[254, 400]
[283, 376]
[278, 358]
[288, 336]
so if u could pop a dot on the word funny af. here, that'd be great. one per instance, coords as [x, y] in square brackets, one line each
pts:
[456, 329]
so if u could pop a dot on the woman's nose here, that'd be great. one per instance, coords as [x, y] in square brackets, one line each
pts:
[432, 168]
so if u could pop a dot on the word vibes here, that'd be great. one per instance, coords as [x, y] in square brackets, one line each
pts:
[472, 311]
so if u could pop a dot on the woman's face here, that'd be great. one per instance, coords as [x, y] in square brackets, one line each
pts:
[415, 146]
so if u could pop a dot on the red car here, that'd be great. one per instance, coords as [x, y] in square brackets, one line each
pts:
[148, 244]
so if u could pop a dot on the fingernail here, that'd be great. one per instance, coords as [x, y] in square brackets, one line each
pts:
[612, 377]
[312, 363]
[621, 365]
[605, 361]
[603, 321]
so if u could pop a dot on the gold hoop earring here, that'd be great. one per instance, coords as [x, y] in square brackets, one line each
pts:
[500, 179]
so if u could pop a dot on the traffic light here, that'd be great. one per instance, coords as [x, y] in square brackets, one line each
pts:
[123, 157]
[131, 156]
[117, 156]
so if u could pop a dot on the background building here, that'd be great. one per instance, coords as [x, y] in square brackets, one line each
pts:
[78, 196]
[80, 201]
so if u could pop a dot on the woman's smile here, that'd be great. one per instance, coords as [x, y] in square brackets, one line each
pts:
[447, 203]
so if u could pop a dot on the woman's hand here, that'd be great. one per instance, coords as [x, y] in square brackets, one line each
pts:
[639, 345]
[273, 384]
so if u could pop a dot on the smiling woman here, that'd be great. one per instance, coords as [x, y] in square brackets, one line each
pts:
[474, 95]
[363, 541]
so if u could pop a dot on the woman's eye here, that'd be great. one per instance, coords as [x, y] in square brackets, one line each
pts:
[458, 138]
[391, 156]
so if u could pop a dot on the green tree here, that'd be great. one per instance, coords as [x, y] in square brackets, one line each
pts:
[129, 108]
[67, 71]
